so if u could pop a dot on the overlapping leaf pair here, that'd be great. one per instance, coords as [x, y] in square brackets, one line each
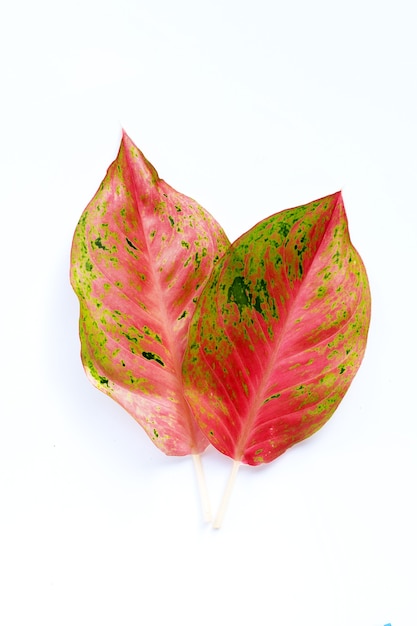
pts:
[249, 346]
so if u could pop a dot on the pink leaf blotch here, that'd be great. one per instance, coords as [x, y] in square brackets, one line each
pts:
[279, 332]
[141, 255]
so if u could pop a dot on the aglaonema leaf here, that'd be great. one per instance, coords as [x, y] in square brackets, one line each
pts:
[141, 255]
[279, 332]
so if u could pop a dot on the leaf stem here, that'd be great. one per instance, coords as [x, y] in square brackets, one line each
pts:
[202, 487]
[226, 495]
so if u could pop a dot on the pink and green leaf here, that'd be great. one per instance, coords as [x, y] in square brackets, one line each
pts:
[141, 255]
[279, 332]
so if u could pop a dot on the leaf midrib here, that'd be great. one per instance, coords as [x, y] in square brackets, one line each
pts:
[167, 322]
[273, 356]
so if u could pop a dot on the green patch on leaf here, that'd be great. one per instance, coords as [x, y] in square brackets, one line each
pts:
[239, 293]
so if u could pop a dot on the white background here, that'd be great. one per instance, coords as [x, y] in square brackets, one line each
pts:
[250, 108]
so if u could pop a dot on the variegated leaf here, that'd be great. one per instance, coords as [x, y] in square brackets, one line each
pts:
[279, 332]
[141, 255]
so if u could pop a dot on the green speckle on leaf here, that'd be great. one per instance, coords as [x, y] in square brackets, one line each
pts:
[98, 244]
[278, 260]
[273, 397]
[257, 304]
[151, 333]
[283, 228]
[151, 356]
[129, 338]
[197, 261]
[131, 244]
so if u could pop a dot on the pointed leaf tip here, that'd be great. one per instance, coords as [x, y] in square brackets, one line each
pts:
[279, 332]
[141, 255]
